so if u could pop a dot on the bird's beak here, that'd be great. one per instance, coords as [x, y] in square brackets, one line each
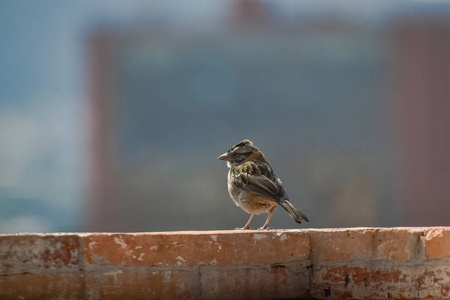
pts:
[223, 156]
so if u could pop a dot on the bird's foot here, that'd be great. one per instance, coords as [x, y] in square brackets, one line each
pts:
[264, 228]
[243, 228]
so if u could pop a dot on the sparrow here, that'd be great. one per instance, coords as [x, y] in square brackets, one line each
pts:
[254, 186]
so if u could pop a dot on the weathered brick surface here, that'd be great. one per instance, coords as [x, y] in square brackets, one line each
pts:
[352, 263]
[398, 244]
[40, 266]
[277, 281]
[38, 252]
[142, 284]
[357, 282]
[340, 245]
[434, 282]
[216, 248]
[437, 242]
[371, 263]
[42, 286]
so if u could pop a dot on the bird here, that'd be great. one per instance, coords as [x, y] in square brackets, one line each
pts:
[254, 186]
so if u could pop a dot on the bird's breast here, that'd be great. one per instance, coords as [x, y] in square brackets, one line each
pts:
[234, 191]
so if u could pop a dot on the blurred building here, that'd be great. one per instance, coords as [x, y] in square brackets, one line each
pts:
[342, 111]
[421, 110]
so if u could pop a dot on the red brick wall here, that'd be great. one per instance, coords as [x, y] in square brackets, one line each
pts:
[349, 263]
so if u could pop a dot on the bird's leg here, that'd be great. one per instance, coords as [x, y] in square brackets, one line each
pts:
[247, 226]
[268, 218]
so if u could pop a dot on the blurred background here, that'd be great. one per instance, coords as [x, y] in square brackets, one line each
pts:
[113, 114]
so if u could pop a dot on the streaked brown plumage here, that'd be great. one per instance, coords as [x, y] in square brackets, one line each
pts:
[254, 186]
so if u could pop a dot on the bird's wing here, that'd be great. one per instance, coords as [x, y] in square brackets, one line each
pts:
[262, 185]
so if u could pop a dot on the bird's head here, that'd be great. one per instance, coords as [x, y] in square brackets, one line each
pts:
[240, 152]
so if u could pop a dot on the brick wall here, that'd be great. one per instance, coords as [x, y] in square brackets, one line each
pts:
[347, 263]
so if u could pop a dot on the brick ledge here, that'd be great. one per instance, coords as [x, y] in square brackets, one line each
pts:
[351, 263]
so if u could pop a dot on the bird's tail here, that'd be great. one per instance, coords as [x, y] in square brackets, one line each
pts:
[293, 211]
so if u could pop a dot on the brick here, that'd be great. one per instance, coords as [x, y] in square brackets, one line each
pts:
[42, 286]
[358, 282]
[342, 244]
[275, 282]
[218, 248]
[437, 242]
[434, 283]
[38, 252]
[396, 244]
[385, 244]
[141, 284]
